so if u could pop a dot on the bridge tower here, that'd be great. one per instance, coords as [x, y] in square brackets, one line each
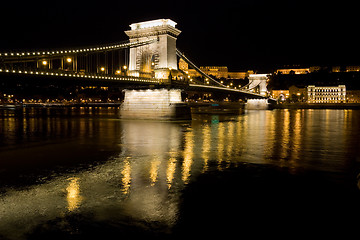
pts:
[157, 58]
[259, 80]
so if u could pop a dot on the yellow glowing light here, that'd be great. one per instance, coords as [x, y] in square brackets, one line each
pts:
[69, 60]
[126, 179]
[154, 171]
[44, 62]
[125, 67]
[102, 69]
[188, 156]
[73, 194]
[170, 171]
[206, 146]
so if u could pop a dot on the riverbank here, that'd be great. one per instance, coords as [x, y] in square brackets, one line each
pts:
[317, 106]
[208, 108]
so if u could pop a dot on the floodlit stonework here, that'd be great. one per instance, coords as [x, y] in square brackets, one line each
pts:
[326, 94]
[154, 104]
[157, 58]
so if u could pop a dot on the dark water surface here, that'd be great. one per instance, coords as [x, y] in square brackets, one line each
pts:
[83, 173]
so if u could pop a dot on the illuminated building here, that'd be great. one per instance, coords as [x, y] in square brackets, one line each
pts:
[336, 69]
[183, 65]
[315, 69]
[300, 93]
[237, 75]
[326, 94]
[193, 73]
[282, 94]
[293, 71]
[352, 68]
[240, 75]
[216, 71]
[353, 96]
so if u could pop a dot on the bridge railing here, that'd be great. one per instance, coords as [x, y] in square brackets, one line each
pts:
[79, 75]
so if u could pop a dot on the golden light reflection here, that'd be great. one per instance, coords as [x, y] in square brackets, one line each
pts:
[221, 139]
[206, 145]
[173, 154]
[297, 137]
[188, 156]
[154, 169]
[347, 119]
[230, 142]
[285, 135]
[170, 171]
[126, 173]
[73, 194]
[270, 125]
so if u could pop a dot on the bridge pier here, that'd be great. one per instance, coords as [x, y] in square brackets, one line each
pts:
[257, 104]
[159, 104]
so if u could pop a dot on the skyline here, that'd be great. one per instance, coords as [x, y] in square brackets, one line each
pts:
[242, 35]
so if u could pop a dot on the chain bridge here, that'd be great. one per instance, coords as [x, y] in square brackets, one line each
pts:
[149, 59]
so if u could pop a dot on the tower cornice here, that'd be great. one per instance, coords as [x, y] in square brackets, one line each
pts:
[153, 31]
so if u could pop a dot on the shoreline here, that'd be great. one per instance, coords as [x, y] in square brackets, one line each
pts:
[317, 106]
[202, 107]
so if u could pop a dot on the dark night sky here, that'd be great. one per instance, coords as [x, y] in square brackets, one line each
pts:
[239, 34]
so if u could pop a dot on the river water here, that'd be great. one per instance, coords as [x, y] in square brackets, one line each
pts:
[83, 173]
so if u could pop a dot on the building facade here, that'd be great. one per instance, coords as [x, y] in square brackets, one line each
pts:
[353, 96]
[298, 93]
[293, 71]
[216, 71]
[280, 94]
[326, 94]
[352, 68]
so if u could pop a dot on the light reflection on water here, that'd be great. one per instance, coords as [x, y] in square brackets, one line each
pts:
[142, 167]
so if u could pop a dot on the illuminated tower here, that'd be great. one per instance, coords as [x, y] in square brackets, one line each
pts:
[158, 57]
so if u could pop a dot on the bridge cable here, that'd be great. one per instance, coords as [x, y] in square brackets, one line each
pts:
[178, 53]
[84, 50]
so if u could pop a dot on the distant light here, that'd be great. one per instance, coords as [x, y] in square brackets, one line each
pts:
[44, 62]
[69, 60]
[125, 67]
[102, 69]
